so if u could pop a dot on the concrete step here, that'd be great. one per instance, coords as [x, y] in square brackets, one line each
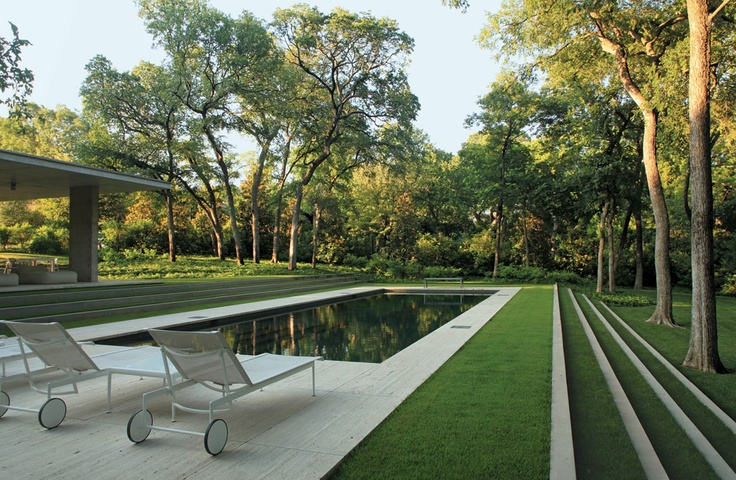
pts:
[187, 297]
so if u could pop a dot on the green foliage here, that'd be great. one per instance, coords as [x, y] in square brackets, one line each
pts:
[729, 288]
[14, 79]
[5, 235]
[355, 262]
[436, 250]
[48, 241]
[148, 265]
[623, 299]
[523, 274]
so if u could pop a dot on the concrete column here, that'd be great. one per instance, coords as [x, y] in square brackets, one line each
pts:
[83, 219]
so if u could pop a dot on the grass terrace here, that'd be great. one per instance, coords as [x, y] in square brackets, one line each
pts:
[485, 413]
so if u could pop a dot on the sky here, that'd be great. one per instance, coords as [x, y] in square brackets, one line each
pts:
[449, 72]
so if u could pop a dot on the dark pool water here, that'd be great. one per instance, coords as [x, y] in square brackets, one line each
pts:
[364, 330]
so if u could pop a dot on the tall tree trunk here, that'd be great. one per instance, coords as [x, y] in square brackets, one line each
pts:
[663, 310]
[611, 248]
[315, 234]
[294, 242]
[254, 209]
[639, 272]
[232, 211]
[497, 242]
[276, 246]
[169, 196]
[526, 243]
[623, 239]
[601, 248]
[703, 350]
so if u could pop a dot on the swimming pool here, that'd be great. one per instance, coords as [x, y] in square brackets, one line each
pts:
[368, 329]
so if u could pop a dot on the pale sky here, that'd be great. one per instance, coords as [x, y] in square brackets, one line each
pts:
[449, 71]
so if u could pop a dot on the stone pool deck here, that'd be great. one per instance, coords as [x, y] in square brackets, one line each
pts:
[280, 432]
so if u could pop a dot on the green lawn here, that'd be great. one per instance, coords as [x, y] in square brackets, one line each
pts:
[486, 412]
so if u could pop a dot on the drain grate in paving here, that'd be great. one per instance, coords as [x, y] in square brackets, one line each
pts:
[461, 326]
[198, 317]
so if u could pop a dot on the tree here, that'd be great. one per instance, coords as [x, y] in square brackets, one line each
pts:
[637, 34]
[507, 112]
[140, 107]
[216, 58]
[14, 79]
[356, 81]
[703, 350]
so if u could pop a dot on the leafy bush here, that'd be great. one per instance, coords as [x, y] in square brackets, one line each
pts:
[565, 278]
[537, 275]
[351, 260]
[47, 242]
[625, 299]
[729, 287]
[5, 235]
[440, 272]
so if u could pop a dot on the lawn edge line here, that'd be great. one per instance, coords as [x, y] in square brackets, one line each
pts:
[702, 397]
[716, 461]
[562, 451]
[648, 457]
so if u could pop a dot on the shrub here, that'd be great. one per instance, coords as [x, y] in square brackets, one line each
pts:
[46, 242]
[351, 260]
[623, 299]
[729, 287]
[440, 272]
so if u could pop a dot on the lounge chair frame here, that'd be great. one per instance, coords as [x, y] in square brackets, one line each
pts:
[52, 343]
[188, 351]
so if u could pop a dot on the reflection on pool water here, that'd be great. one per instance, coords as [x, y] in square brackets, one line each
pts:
[364, 330]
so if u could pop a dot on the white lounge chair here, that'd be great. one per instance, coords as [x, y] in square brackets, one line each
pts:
[205, 358]
[51, 343]
[9, 352]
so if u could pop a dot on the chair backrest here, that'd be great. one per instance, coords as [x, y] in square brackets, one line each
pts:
[52, 344]
[201, 356]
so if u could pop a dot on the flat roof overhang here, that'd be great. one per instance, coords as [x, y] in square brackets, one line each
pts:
[27, 177]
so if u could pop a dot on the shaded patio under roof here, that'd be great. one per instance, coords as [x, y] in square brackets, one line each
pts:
[28, 177]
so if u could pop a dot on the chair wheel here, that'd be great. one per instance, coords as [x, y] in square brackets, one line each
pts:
[139, 426]
[4, 402]
[52, 413]
[215, 437]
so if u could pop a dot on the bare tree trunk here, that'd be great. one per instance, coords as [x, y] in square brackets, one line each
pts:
[497, 243]
[526, 244]
[601, 248]
[315, 234]
[279, 198]
[232, 212]
[663, 310]
[703, 350]
[169, 196]
[611, 249]
[254, 209]
[639, 274]
[294, 242]
[276, 244]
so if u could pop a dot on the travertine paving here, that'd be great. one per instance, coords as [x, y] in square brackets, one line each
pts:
[282, 431]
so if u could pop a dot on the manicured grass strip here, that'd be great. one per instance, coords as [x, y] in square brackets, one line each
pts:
[484, 414]
[675, 450]
[681, 455]
[603, 449]
[694, 434]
